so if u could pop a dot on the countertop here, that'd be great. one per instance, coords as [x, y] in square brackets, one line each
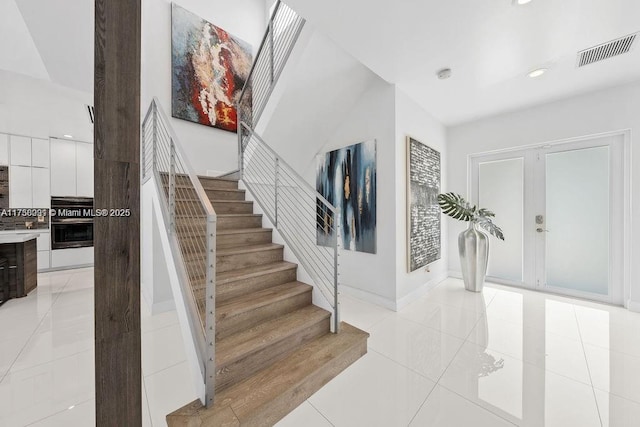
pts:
[17, 237]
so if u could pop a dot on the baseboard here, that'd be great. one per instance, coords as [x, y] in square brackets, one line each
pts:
[455, 274]
[420, 292]
[161, 307]
[368, 297]
[633, 306]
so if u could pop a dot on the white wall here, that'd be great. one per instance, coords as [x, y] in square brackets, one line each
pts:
[606, 110]
[207, 148]
[39, 108]
[372, 276]
[412, 120]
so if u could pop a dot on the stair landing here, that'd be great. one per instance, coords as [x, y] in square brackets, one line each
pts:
[266, 397]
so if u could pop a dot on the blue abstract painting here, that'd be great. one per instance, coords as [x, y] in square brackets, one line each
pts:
[347, 179]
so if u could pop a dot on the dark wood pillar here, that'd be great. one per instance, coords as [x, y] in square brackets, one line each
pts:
[117, 186]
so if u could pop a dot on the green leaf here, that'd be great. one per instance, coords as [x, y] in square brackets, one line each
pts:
[455, 206]
[488, 225]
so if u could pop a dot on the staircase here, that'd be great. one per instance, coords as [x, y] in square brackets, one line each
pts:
[273, 347]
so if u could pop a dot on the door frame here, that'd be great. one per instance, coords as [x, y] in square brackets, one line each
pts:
[529, 237]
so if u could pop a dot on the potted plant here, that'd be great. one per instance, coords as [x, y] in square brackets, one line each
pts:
[473, 244]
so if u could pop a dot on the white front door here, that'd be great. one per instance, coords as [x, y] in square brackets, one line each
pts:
[561, 210]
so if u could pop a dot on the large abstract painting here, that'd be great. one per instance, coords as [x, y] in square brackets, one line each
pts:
[347, 179]
[423, 222]
[209, 69]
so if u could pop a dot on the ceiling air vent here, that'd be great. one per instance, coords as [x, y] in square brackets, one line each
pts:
[606, 50]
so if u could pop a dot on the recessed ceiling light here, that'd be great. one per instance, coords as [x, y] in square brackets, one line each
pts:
[537, 73]
[67, 136]
[521, 2]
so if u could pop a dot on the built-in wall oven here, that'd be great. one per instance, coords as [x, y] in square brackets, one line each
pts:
[71, 222]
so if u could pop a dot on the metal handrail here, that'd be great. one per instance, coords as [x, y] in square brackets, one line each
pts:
[190, 221]
[308, 222]
[283, 31]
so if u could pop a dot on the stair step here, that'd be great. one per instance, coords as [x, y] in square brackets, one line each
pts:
[270, 394]
[235, 283]
[243, 354]
[214, 183]
[248, 256]
[232, 206]
[229, 238]
[255, 308]
[225, 194]
[246, 220]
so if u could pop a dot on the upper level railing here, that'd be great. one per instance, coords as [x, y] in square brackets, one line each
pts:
[304, 218]
[191, 226]
[282, 33]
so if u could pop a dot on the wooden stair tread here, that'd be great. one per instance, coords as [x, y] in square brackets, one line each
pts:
[237, 346]
[248, 249]
[258, 270]
[265, 297]
[238, 215]
[227, 231]
[216, 178]
[265, 397]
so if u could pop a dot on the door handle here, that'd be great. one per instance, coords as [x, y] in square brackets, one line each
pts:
[541, 230]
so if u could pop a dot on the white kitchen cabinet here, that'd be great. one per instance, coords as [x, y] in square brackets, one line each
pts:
[84, 169]
[20, 152]
[20, 187]
[63, 168]
[4, 149]
[41, 187]
[40, 153]
[43, 242]
[71, 257]
[44, 260]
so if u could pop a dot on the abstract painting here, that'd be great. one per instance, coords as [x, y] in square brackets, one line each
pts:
[347, 179]
[209, 69]
[423, 222]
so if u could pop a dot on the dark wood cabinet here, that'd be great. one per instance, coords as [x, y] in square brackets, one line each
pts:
[21, 261]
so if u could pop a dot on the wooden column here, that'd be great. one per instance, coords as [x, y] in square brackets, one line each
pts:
[117, 186]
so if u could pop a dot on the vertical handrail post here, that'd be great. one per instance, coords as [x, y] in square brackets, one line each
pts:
[336, 315]
[154, 122]
[276, 190]
[271, 51]
[172, 187]
[210, 318]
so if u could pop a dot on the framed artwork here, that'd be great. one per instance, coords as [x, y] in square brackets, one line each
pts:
[209, 68]
[423, 212]
[347, 179]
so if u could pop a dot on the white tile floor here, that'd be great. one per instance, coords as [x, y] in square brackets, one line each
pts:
[452, 358]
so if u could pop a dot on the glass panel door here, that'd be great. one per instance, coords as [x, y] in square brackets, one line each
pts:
[576, 228]
[501, 190]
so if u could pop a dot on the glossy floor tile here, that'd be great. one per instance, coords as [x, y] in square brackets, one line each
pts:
[451, 358]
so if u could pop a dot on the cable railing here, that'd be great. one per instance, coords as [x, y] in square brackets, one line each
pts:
[190, 221]
[307, 222]
[282, 33]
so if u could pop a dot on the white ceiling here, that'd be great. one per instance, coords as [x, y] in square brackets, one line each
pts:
[49, 40]
[491, 45]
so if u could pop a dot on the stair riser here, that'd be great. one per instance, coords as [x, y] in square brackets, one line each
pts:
[233, 208]
[274, 410]
[254, 362]
[243, 239]
[236, 261]
[225, 195]
[218, 184]
[228, 223]
[231, 325]
[225, 292]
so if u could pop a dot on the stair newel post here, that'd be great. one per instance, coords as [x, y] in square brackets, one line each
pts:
[276, 190]
[155, 136]
[336, 237]
[210, 318]
[172, 187]
[271, 58]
